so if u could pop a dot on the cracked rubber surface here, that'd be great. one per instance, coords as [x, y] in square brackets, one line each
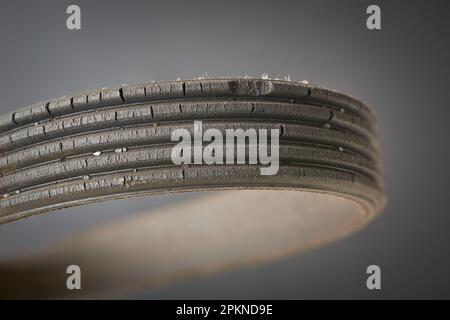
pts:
[116, 143]
[64, 152]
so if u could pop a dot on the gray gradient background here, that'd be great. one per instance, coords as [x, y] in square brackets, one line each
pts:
[402, 71]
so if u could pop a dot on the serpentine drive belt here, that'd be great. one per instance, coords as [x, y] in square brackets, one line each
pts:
[116, 143]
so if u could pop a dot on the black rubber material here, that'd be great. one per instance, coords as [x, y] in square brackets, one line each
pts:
[328, 143]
